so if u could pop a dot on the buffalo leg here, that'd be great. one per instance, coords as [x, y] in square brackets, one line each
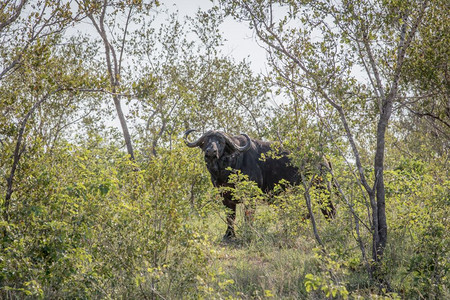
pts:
[326, 205]
[231, 216]
[328, 209]
[249, 212]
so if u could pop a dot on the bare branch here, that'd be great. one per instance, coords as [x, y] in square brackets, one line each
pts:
[372, 62]
[17, 10]
[125, 32]
[428, 114]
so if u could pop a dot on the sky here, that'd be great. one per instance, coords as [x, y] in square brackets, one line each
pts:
[240, 41]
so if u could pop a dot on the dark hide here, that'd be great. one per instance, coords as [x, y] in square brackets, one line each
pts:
[242, 153]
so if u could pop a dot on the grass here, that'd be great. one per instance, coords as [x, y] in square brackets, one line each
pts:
[271, 258]
[259, 263]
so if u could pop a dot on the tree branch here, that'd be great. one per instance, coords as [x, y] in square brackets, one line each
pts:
[17, 10]
[306, 194]
[18, 152]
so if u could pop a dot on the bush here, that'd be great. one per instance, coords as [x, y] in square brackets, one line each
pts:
[95, 225]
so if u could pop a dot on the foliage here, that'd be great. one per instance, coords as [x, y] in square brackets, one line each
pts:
[183, 84]
[328, 282]
[94, 224]
[80, 217]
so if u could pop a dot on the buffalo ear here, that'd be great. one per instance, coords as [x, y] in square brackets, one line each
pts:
[231, 141]
[229, 148]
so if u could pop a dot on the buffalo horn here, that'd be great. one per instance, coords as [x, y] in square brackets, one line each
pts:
[192, 144]
[236, 147]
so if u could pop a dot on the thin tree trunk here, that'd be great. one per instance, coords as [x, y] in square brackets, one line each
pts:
[307, 195]
[379, 188]
[17, 153]
[113, 67]
[123, 124]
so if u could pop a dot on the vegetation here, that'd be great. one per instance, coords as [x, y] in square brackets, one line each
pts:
[89, 211]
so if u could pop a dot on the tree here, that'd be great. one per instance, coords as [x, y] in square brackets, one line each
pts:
[25, 77]
[103, 16]
[182, 80]
[19, 31]
[342, 58]
[426, 109]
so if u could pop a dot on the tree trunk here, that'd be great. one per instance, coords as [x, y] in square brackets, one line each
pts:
[379, 211]
[123, 124]
[17, 153]
[113, 65]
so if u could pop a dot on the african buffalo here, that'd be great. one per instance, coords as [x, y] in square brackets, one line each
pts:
[223, 152]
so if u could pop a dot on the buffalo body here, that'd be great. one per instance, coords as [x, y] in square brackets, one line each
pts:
[223, 152]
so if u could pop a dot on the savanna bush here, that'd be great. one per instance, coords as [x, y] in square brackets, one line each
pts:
[87, 222]
[417, 258]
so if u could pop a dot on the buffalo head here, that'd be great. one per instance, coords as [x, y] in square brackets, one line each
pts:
[215, 144]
